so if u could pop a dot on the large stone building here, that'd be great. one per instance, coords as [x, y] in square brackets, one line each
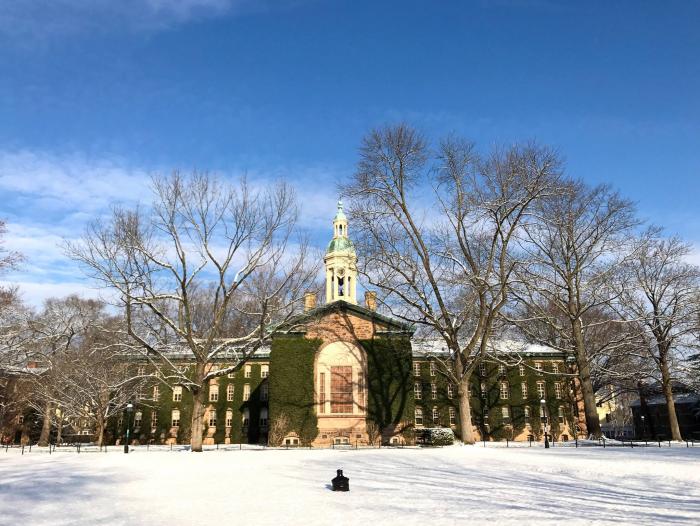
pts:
[342, 373]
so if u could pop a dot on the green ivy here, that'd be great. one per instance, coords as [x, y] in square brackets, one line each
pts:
[292, 384]
[390, 402]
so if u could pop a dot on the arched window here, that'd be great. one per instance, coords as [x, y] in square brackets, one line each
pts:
[229, 418]
[175, 418]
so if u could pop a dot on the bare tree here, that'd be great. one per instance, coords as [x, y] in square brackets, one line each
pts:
[89, 381]
[575, 249]
[8, 259]
[13, 313]
[436, 230]
[57, 329]
[207, 251]
[659, 297]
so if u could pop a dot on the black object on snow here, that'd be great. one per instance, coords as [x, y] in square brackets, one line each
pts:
[341, 482]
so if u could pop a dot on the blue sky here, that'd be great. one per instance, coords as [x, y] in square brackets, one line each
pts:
[96, 96]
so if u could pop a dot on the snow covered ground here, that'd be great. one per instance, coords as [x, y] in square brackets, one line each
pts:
[455, 485]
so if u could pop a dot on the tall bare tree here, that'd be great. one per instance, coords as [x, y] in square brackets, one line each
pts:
[13, 313]
[205, 252]
[90, 380]
[436, 229]
[659, 297]
[575, 249]
[53, 332]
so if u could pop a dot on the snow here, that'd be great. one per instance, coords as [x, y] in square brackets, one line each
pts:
[451, 485]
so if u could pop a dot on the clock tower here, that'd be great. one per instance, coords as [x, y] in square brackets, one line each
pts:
[341, 262]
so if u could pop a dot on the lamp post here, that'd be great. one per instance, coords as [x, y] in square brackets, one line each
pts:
[543, 411]
[129, 409]
[644, 427]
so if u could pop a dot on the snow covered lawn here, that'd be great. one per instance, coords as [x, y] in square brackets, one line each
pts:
[455, 485]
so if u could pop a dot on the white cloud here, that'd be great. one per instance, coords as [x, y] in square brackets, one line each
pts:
[48, 198]
[70, 182]
[35, 292]
[28, 21]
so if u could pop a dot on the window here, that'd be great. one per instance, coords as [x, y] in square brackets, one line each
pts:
[141, 370]
[523, 389]
[433, 391]
[263, 392]
[20, 419]
[436, 416]
[177, 393]
[230, 391]
[175, 418]
[538, 368]
[154, 419]
[555, 367]
[527, 416]
[264, 371]
[341, 389]
[248, 372]
[483, 389]
[229, 418]
[453, 416]
[450, 391]
[505, 413]
[418, 391]
[139, 394]
[416, 368]
[482, 369]
[232, 374]
[322, 391]
[246, 392]
[246, 417]
[561, 414]
[156, 392]
[212, 418]
[540, 389]
[138, 417]
[263, 417]
[213, 393]
[504, 391]
[433, 369]
[501, 370]
[521, 370]
[557, 390]
[419, 416]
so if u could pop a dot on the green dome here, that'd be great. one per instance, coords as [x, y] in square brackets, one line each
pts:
[340, 244]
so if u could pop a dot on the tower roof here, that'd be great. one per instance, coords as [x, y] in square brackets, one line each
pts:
[340, 215]
[340, 244]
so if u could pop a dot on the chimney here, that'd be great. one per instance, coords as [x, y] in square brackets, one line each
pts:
[371, 300]
[309, 301]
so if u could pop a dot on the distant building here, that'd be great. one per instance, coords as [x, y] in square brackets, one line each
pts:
[650, 415]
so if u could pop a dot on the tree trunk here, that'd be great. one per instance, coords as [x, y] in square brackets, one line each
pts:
[59, 430]
[465, 413]
[100, 431]
[668, 394]
[197, 418]
[46, 427]
[587, 391]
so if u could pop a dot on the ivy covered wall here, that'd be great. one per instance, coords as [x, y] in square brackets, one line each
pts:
[390, 403]
[292, 388]
[487, 406]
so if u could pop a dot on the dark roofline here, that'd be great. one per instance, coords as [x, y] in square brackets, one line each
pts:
[342, 305]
